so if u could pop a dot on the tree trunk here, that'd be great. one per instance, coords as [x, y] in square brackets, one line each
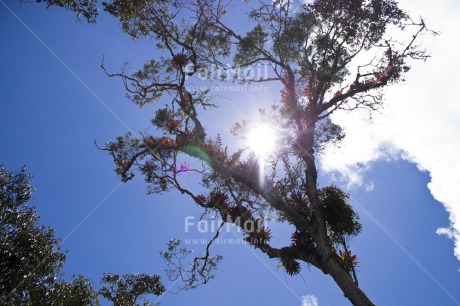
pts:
[351, 290]
[330, 261]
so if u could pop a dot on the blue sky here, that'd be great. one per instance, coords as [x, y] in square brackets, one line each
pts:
[56, 101]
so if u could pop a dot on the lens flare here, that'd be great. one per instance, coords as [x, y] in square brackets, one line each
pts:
[261, 140]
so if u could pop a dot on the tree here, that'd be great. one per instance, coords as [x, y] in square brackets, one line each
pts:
[127, 289]
[30, 256]
[327, 55]
[31, 260]
[87, 8]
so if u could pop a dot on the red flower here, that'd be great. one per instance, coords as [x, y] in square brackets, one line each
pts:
[284, 96]
[259, 237]
[295, 238]
[337, 93]
[179, 60]
[348, 260]
[200, 199]
[184, 101]
[172, 125]
[218, 199]
[383, 77]
[165, 141]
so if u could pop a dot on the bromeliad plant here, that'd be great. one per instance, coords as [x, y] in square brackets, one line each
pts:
[318, 51]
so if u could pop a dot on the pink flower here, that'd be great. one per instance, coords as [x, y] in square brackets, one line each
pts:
[184, 167]
[181, 167]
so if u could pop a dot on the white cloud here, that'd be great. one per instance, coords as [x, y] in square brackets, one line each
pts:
[420, 122]
[309, 300]
[369, 186]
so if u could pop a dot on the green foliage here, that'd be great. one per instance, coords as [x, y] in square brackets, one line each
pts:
[361, 21]
[31, 261]
[249, 47]
[128, 288]
[86, 8]
[291, 266]
[125, 10]
[328, 133]
[291, 40]
[30, 257]
[340, 217]
[163, 118]
[80, 291]
[153, 71]
[126, 148]
[129, 13]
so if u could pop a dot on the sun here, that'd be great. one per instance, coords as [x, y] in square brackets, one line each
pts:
[262, 140]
